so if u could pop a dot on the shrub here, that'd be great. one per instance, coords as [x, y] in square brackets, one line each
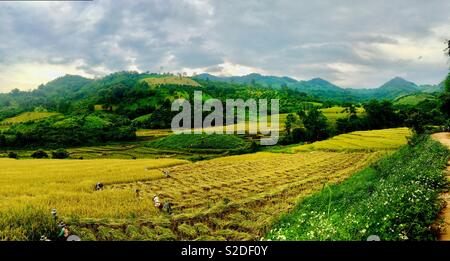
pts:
[298, 135]
[60, 154]
[13, 155]
[254, 147]
[39, 154]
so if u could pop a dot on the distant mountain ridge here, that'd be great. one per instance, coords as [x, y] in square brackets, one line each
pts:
[321, 88]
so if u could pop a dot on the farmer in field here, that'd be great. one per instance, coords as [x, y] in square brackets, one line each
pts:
[138, 194]
[44, 238]
[64, 232]
[166, 173]
[99, 186]
[156, 202]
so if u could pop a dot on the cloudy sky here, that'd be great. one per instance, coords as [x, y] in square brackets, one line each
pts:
[350, 43]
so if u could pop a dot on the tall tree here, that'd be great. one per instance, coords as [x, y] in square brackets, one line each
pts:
[316, 124]
[381, 115]
[290, 120]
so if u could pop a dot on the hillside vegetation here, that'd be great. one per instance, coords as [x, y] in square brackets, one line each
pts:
[62, 131]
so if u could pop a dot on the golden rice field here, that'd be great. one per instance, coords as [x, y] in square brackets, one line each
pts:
[252, 125]
[332, 114]
[174, 80]
[68, 184]
[28, 116]
[336, 112]
[386, 139]
[153, 133]
[229, 198]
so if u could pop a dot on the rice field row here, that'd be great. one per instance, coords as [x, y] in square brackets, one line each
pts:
[386, 139]
[238, 197]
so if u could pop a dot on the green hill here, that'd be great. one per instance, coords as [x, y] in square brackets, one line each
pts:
[395, 88]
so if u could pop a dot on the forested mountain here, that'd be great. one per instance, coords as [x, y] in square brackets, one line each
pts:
[394, 88]
[323, 89]
[132, 97]
[128, 94]
[253, 78]
[429, 88]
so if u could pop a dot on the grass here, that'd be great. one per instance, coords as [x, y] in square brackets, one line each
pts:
[396, 199]
[28, 116]
[172, 80]
[228, 198]
[386, 139]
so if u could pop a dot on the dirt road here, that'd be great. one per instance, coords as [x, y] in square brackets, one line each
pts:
[444, 138]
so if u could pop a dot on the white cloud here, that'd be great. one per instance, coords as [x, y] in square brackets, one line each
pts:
[225, 69]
